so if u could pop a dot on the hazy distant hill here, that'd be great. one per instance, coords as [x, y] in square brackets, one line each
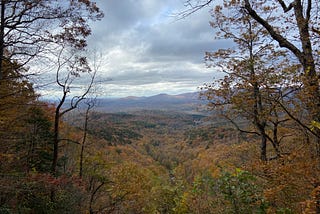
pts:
[187, 102]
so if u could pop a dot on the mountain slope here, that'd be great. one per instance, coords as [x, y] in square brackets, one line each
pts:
[188, 102]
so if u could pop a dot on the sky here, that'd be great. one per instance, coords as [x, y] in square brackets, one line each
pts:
[146, 50]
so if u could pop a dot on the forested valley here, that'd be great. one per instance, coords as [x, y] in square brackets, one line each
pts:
[252, 145]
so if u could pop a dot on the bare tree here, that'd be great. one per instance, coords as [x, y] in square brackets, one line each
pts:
[69, 68]
[90, 103]
[192, 6]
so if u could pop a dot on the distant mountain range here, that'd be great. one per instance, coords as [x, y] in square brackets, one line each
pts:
[187, 102]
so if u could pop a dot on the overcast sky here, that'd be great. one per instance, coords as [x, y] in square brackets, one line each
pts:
[147, 51]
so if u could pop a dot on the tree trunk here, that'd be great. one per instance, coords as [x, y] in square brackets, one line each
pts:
[81, 160]
[2, 27]
[263, 148]
[83, 142]
[275, 142]
[95, 191]
[55, 143]
[56, 136]
[305, 55]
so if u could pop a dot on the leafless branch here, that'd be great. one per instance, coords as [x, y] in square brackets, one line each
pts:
[192, 7]
[238, 127]
[297, 120]
[284, 6]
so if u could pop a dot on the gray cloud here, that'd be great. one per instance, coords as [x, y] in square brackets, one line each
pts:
[147, 51]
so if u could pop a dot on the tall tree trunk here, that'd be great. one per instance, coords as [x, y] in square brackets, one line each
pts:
[275, 142]
[258, 108]
[81, 160]
[84, 141]
[302, 15]
[55, 143]
[2, 28]
[263, 148]
[56, 136]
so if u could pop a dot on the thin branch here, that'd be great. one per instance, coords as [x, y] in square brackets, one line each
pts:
[77, 99]
[297, 120]
[284, 136]
[308, 12]
[69, 140]
[283, 42]
[284, 6]
[238, 128]
[192, 8]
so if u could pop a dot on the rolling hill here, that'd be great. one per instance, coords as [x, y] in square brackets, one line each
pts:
[187, 102]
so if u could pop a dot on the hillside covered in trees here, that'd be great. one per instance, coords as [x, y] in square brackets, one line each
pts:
[254, 147]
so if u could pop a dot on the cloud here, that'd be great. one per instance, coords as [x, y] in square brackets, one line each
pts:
[147, 51]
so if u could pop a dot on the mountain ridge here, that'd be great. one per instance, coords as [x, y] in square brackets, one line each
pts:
[185, 102]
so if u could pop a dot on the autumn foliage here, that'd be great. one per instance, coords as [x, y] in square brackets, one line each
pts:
[255, 149]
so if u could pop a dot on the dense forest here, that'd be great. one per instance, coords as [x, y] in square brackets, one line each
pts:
[255, 147]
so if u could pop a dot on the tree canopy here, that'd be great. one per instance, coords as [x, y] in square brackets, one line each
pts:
[32, 28]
